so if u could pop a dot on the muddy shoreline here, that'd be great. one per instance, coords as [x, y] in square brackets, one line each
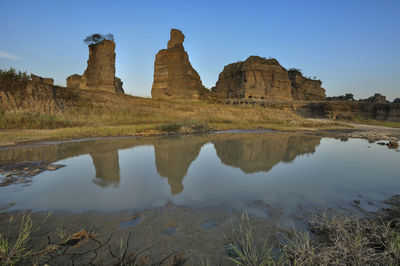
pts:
[194, 233]
[158, 234]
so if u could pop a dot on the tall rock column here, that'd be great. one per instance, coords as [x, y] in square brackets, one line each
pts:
[100, 71]
[174, 76]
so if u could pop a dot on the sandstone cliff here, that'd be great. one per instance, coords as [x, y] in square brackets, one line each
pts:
[305, 89]
[174, 76]
[38, 96]
[100, 71]
[256, 77]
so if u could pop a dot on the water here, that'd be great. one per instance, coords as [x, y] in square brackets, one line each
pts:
[248, 172]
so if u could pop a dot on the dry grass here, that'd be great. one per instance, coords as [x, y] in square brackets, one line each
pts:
[101, 114]
[347, 240]
[244, 250]
[332, 239]
[14, 249]
[378, 123]
[11, 253]
[359, 120]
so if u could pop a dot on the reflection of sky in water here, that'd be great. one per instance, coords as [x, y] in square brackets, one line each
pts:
[217, 170]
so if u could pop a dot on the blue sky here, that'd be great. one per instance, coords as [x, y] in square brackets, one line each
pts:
[352, 46]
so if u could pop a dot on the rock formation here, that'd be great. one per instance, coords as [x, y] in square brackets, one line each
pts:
[74, 81]
[118, 85]
[39, 79]
[256, 77]
[305, 89]
[37, 95]
[174, 76]
[397, 100]
[100, 71]
[377, 98]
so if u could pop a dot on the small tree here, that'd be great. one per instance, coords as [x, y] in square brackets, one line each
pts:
[96, 38]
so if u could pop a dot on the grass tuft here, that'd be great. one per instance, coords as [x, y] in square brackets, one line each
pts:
[347, 240]
[243, 249]
[11, 253]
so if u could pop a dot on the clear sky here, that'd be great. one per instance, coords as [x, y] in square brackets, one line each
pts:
[351, 45]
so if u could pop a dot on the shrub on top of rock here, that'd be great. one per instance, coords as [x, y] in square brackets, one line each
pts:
[96, 38]
[100, 72]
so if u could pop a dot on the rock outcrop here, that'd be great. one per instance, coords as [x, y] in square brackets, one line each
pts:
[118, 85]
[100, 71]
[255, 78]
[377, 98]
[74, 81]
[38, 79]
[37, 95]
[174, 76]
[305, 89]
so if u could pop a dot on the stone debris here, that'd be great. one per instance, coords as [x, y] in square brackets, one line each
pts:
[393, 144]
[22, 172]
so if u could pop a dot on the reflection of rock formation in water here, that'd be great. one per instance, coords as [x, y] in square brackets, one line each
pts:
[299, 145]
[251, 153]
[103, 152]
[260, 152]
[174, 156]
[106, 164]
